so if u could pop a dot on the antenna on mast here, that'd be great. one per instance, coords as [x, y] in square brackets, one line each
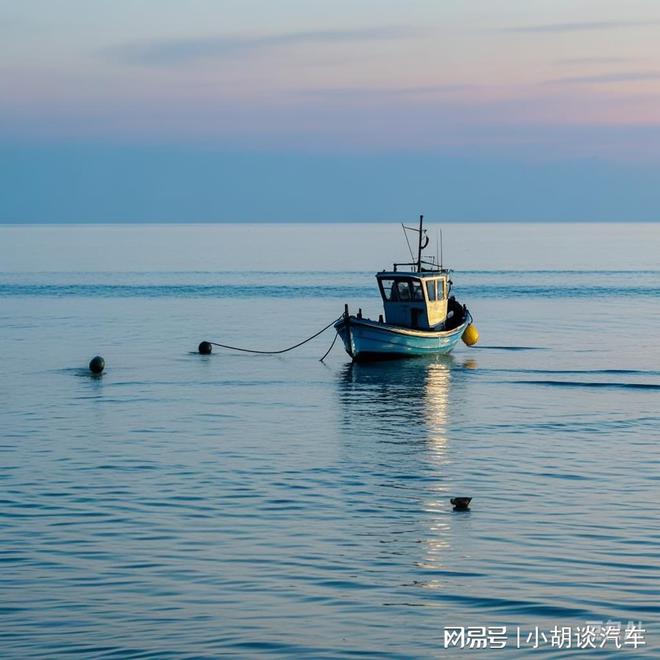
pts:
[441, 261]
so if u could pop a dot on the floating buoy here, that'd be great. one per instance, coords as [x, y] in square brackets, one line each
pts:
[205, 348]
[470, 335]
[461, 503]
[97, 365]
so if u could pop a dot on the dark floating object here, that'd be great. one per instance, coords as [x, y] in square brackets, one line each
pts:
[97, 365]
[205, 348]
[461, 503]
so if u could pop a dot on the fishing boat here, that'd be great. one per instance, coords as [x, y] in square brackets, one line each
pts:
[421, 315]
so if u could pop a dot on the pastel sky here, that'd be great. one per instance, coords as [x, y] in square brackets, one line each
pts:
[232, 110]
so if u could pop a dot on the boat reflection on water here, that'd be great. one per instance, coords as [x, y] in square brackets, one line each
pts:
[401, 400]
[395, 422]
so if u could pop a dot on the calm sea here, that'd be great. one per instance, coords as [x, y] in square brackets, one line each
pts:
[235, 505]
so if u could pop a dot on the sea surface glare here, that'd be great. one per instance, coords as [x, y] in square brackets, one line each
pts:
[188, 506]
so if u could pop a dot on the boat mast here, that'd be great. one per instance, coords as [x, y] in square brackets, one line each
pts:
[419, 248]
[421, 244]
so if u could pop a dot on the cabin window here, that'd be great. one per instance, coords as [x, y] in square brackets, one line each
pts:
[442, 289]
[430, 290]
[389, 290]
[403, 291]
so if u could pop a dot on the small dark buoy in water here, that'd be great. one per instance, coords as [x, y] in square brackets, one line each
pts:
[461, 503]
[97, 365]
[205, 348]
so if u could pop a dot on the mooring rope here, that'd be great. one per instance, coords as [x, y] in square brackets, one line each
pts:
[284, 350]
[331, 347]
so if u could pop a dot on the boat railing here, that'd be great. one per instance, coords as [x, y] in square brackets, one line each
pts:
[431, 267]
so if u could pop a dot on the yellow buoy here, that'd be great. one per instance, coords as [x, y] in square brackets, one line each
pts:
[470, 335]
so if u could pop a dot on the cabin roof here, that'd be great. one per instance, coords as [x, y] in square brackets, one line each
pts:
[423, 275]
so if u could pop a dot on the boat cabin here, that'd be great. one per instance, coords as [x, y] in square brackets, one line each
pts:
[415, 300]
